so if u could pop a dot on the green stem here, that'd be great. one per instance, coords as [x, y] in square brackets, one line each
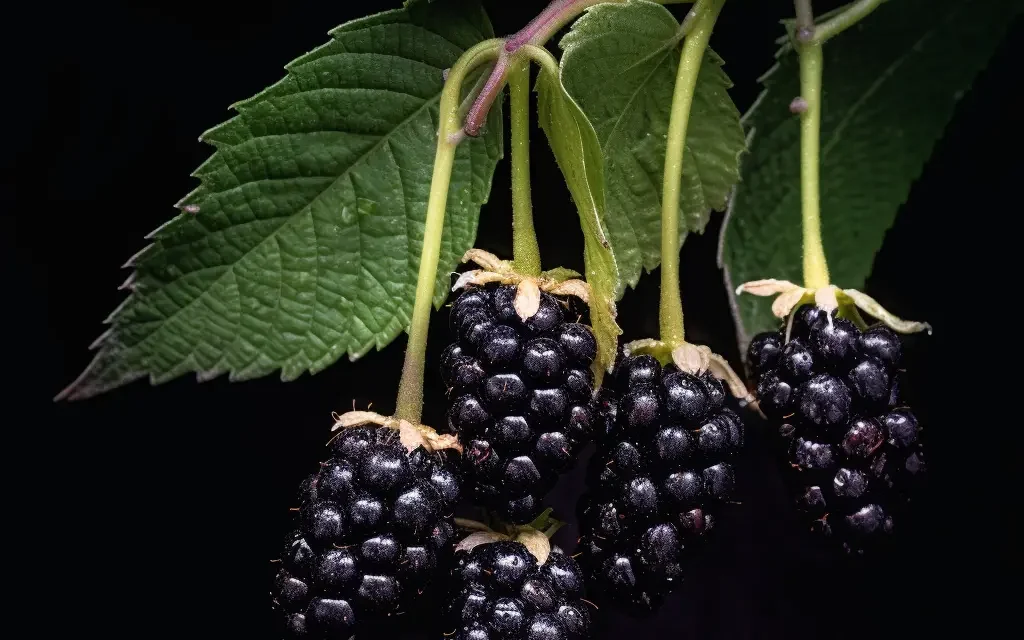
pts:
[843, 21]
[815, 267]
[671, 309]
[409, 405]
[810, 38]
[525, 250]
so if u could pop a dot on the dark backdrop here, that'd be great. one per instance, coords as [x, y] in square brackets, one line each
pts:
[152, 511]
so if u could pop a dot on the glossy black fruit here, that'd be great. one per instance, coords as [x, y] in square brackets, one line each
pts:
[660, 472]
[852, 448]
[500, 592]
[520, 396]
[374, 529]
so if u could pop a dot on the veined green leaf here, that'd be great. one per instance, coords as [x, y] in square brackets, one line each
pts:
[890, 86]
[302, 241]
[619, 64]
[574, 143]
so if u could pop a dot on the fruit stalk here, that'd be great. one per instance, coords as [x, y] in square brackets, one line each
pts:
[815, 267]
[525, 250]
[809, 41]
[409, 404]
[671, 308]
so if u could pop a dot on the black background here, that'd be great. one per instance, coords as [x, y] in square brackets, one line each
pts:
[156, 511]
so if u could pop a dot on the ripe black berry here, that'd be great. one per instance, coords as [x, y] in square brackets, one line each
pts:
[764, 351]
[501, 592]
[659, 472]
[522, 396]
[374, 526]
[852, 449]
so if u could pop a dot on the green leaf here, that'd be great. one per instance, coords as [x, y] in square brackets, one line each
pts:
[574, 143]
[619, 64]
[560, 274]
[890, 84]
[302, 241]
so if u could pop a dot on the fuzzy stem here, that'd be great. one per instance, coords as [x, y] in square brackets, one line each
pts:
[409, 404]
[525, 250]
[671, 309]
[843, 21]
[555, 16]
[809, 40]
[815, 267]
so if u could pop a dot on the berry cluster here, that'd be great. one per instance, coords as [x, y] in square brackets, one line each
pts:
[503, 593]
[374, 526]
[832, 392]
[522, 393]
[660, 468]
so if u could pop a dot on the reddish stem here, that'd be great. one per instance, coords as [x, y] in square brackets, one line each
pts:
[551, 19]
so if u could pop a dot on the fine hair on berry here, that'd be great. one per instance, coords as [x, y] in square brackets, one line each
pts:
[852, 447]
[520, 395]
[661, 470]
[373, 531]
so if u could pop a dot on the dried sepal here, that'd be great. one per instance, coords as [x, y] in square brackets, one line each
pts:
[785, 303]
[692, 358]
[720, 368]
[478, 538]
[487, 260]
[767, 287]
[825, 298]
[351, 419]
[871, 306]
[527, 300]
[577, 288]
[412, 436]
[538, 544]
[439, 441]
[477, 277]
[559, 281]
[790, 296]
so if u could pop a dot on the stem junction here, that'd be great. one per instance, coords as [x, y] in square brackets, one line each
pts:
[555, 16]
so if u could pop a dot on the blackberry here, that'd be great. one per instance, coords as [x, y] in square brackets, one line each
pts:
[521, 396]
[852, 448]
[661, 468]
[374, 527]
[501, 591]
